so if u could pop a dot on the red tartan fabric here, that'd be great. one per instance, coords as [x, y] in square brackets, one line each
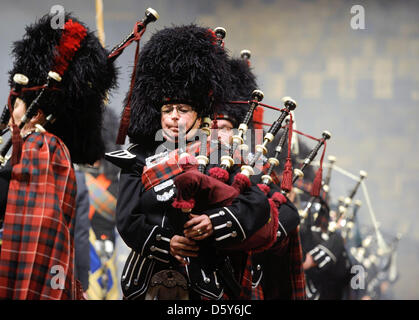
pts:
[36, 259]
[298, 281]
[160, 172]
[167, 169]
[257, 293]
[171, 167]
[246, 282]
[248, 292]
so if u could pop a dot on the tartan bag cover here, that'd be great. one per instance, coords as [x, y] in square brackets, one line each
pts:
[36, 259]
[172, 166]
[163, 170]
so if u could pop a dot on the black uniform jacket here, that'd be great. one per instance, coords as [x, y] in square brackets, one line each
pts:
[146, 221]
[328, 280]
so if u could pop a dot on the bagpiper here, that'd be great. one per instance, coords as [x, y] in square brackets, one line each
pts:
[181, 223]
[59, 80]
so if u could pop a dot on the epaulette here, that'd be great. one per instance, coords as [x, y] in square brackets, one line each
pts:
[123, 159]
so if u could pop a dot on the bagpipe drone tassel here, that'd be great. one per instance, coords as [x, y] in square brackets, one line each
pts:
[287, 175]
[317, 182]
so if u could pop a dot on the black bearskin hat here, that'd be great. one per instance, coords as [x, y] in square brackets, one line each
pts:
[78, 104]
[243, 82]
[181, 64]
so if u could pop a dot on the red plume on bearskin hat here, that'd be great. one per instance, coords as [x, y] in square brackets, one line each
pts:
[77, 55]
[180, 64]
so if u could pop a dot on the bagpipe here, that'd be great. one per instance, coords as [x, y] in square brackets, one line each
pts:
[318, 183]
[73, 34]
[20, 81]
[140, 26]
[343, 220]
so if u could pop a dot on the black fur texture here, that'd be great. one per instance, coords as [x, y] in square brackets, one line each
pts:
[243, 82]
[178, 64]
[78, 106]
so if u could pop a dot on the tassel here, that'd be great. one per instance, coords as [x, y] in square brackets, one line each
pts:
[317, 182]
[241, 182]
[184, 204]
[265, 189]
[17, 143]
[219, 174]
[286, 183]
[258, 117]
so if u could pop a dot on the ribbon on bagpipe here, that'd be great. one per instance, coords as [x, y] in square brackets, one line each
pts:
[137, 33]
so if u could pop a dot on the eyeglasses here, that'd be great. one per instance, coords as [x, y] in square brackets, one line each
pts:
[181, 108]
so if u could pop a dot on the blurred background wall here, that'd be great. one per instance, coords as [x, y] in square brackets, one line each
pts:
[362, 85]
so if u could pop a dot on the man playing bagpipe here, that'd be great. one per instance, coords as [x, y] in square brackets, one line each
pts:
[59, 80]
[183, 225]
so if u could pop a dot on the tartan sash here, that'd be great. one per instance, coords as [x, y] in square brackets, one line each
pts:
[166, 169]
[172, 165]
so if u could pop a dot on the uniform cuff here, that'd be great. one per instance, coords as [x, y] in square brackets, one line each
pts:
[322, 256]
[226, 226]
[157, 245]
